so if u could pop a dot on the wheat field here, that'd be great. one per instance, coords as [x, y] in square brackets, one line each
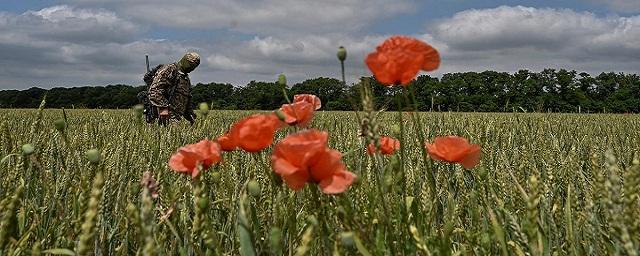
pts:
[547, 184]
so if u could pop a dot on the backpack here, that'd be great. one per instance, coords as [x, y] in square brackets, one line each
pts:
[150, 113]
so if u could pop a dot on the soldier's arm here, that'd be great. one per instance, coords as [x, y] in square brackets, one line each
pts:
[162, 82]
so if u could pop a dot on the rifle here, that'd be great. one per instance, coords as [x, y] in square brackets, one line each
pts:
[146, 56]
[150, 112]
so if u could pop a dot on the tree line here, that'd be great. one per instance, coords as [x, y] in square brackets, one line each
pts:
[489, 91]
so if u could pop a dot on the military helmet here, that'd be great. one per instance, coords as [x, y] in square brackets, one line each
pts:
[189, 62]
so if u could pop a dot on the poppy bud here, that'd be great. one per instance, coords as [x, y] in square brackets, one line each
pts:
[203, 203]
[342, 53]
[27, 149]
[347, 239]
[216, 177]
[275, 238]
[204, 108]
[282, 80]
[138, 109]
[93, 155]
[254, 188]
[60, 125]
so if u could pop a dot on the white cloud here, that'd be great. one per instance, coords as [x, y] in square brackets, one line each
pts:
[512, 27]
[64, 23]
[266, 17]
[63, 45]
[508, 38]
[300, 58]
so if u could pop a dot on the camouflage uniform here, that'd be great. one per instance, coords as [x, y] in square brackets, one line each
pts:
[168, 79]
[171, 87]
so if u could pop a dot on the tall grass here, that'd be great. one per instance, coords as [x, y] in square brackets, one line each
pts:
[560, 184]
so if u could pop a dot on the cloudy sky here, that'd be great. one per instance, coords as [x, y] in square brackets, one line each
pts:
[49, 43]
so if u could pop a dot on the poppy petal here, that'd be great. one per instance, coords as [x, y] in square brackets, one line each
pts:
[283, 167]
[432, 149]
[371, 149]
[189, 157]
[176, 163]
[227, 143]
[310, 98]
[337, 183]
[298, 113]
[326, 164]
[255, 132]
[472, 157]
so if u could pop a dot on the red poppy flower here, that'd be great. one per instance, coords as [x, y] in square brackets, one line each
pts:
[399, 59]
[227, 143]
[304, 157]
[317, 104]
[187, 159]
[253, 133]
[454, 149]
[298, 113]
[387, 146]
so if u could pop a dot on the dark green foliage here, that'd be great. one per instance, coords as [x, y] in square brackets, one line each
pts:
[489, 91]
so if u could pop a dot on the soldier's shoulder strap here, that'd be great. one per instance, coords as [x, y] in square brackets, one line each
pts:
[148, 77]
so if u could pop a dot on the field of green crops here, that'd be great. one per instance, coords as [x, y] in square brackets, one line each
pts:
[547, 184]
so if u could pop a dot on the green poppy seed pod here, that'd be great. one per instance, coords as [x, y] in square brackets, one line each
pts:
[282, 80]
[60, 125]
[342, 53]
[347, 239]
[27, 149]
[93, 155]
[204, 108]
[254, 188]
[482, 172]
[396, 129]
[216, 177]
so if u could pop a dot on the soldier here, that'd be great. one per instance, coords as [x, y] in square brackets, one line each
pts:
[170, 91]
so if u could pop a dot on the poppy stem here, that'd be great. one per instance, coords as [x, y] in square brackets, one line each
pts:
[324, 233]
[284, 92]
[431, 174]
[402, 145]
[342, 66]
